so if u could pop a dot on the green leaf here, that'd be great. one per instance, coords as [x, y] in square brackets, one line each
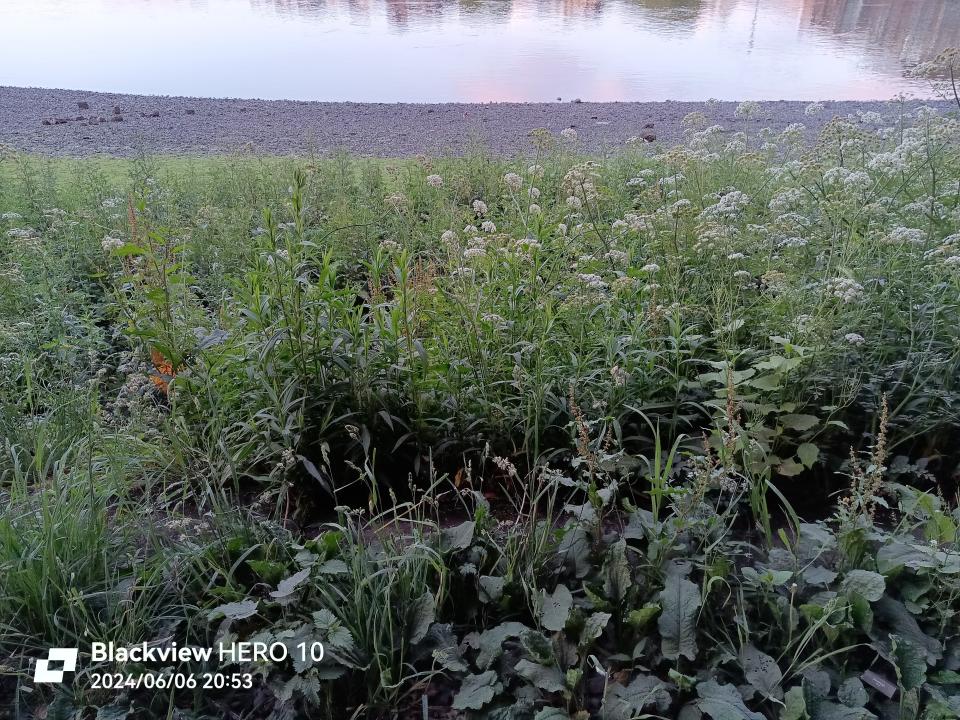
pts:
[680, 600]
[547, 678]
[892, 614]
[337, 638]
[286, 587]
[476, 691]
[897, 554]
[761, 671]
[555, 608]
[332, 567]
[640, 618]
[808, 454]
[852, 694]
[617, 578]
[235, 610]
[538, 647]
[627, 702]
[911, 663]
[723, 702]
[794, 705]
[766, 382]
[799, 423]
[818, 575]
[491, 588]
[868, 585]
[827, 710]
[593, 627]
[789, 468]
[304, 686]
[574, 550]
[112, 712]
[490, 642]
[458, 537]
[423, 612]
[551, 713]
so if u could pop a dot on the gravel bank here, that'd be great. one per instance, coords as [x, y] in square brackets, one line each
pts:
[78, 123]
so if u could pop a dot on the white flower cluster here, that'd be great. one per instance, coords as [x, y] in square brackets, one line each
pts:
[846, 289]
[592, 281]
[900, 235]
[513, 181]
[109, 244]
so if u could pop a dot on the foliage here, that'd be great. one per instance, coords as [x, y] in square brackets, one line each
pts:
[662, 434]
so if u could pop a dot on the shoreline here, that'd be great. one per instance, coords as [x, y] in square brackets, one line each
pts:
[55, 122]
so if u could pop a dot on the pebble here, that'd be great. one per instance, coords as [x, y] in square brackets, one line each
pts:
[374, 129]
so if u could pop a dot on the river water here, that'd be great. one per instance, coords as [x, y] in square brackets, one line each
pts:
[477, 50]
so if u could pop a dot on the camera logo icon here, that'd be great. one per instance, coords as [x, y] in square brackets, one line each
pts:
[42, 672]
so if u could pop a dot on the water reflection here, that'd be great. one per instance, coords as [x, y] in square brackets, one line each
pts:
[478, 50]
[909, 31]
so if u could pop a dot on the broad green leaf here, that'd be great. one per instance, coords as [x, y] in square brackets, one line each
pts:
[490, 642]
[723, 702]
[766, 382]
[819, 575]
[491, 588]
[911, 664]
[476, 691]
[799, 423]
[868, 585]
[287, 586]
[423, 612]
[627, 702]
[336, 638]
[794, 705]
[617, 578]
[897, 554]
[458, 537]
[332, 567]
[539, 647]
[593, 627]
[761, 671]
[640, 618]
[551, 713]
[892, 614]
[789, 468]
[306, 687]
[235, 610]
[555, 608]
[808, 453]
[852, 694]
[574, 550]
[828, 710]
[547, 678]
[680, 600]
[113, 712]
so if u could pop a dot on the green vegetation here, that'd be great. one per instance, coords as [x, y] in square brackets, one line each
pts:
[665, 434]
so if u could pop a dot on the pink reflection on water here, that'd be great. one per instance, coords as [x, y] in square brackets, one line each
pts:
[477, 50]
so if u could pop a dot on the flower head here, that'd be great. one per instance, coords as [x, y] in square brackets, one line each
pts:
[513, 181]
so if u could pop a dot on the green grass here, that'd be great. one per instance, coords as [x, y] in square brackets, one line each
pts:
[619, 405]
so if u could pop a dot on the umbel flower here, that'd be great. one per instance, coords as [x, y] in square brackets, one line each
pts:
[513, 181]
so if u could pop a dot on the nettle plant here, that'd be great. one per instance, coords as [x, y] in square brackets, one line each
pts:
[591, 605]
[603, 608]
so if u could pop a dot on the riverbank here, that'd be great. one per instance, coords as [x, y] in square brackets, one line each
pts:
[80, 123]
[507, 438]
